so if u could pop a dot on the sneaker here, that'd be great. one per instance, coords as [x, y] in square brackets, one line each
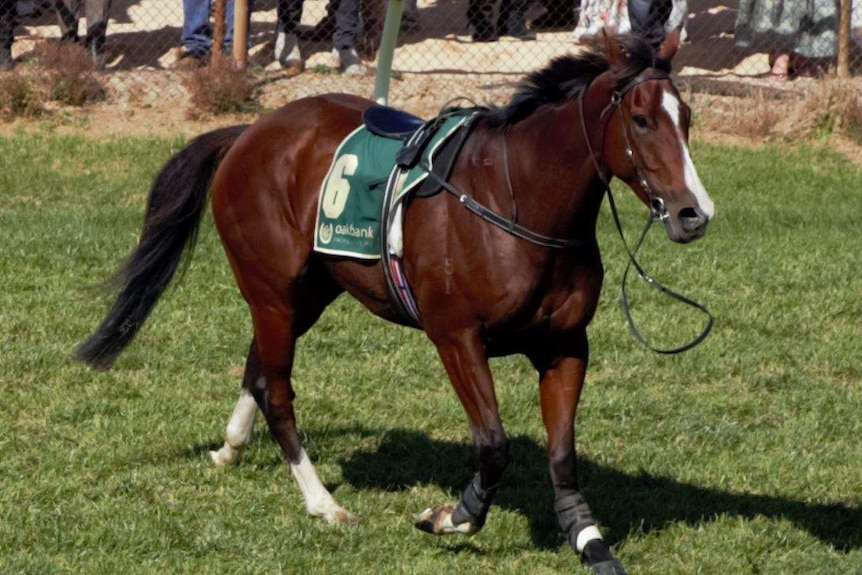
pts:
[188, 59]
[348, 61]
[287, 52]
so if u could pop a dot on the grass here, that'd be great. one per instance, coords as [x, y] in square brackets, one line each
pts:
[741, 456]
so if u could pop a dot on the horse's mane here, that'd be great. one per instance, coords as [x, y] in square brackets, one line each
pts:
[565, 76]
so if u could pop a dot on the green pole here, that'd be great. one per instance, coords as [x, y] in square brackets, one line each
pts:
[388, 39]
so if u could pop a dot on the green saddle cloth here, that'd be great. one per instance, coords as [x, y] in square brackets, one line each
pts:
[350, 206]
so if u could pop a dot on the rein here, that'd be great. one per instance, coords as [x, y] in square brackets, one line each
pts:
[510, 226]
[656, 285]
[657, 212]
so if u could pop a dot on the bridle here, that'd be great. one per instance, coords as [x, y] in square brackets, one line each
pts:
[657, 207]
[658, 211]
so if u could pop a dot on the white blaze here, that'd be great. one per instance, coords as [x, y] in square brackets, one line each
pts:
[671, 105]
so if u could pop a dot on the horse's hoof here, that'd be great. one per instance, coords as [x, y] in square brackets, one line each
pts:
[224, 456]
[438, 521]
[333, 513]
[343, 517]
[610, 567]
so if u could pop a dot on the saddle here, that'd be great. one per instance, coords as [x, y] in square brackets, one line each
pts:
[383, 165]
[416, 135]
[391, 123]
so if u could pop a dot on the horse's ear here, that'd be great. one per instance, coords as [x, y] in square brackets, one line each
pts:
[613, 48]
[669, 46]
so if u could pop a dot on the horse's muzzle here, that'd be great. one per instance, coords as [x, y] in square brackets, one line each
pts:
[688, 225]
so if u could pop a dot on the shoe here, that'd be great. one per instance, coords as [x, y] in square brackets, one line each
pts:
[521, 33]
[348, 61]
[484, 34]
[190, 58]
[287, 53]
[525, 36]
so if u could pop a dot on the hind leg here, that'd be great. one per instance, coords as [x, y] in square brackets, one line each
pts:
[276, 330]
[241, 425]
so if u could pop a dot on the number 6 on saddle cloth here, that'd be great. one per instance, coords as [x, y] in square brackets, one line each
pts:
[376, 169]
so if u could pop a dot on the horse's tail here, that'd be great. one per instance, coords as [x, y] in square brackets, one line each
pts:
[175, 205]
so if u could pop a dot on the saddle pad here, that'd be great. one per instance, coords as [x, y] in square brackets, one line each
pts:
[351, 198]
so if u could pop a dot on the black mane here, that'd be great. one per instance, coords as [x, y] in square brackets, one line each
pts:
[565, 76]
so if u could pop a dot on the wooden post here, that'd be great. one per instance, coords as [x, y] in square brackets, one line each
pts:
[844, 39]
[391, 26]
[240, 33]
[218, 28]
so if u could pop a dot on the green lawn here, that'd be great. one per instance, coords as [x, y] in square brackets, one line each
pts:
[743, 456]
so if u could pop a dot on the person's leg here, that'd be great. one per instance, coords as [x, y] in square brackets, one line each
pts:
[647, 19]
[410, 17]
[480, 15]
[68, 12]
[7, 31]
[288, 14]
[197, 33]
[348, 26]
[96, 12]
[511, 21]
[228, 25]
[287, 54]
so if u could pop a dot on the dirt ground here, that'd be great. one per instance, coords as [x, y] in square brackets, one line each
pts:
[156, 102]
[147, 94]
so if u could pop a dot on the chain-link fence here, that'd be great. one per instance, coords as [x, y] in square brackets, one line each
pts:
[436, 38]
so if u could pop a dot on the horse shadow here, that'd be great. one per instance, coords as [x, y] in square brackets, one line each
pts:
[622, 502]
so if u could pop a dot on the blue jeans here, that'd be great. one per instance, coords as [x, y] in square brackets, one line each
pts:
[197, 33]
[348, 22]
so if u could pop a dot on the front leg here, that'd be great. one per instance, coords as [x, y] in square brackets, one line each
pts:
[463, 356]
[561, 380]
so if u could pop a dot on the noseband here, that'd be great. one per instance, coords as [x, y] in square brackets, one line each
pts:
[657, 207]
[658, 211]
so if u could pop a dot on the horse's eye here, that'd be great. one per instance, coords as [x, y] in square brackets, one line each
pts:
[640, 121]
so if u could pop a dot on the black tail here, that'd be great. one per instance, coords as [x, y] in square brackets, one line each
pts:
[174, 208]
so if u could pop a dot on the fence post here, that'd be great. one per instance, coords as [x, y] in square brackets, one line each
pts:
[391, 25]
[218, 28]
[844, 39]
[240, 33]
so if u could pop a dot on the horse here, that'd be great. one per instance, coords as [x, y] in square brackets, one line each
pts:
[526, 283]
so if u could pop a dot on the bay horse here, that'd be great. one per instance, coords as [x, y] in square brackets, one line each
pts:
[546, 157]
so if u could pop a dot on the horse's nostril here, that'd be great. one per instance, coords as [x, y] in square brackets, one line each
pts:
[691, 219]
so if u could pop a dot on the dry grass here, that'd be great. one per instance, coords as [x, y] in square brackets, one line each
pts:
[822, 109]
[220, 88]
[58, 72]
[70, 74]
[19, 96]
